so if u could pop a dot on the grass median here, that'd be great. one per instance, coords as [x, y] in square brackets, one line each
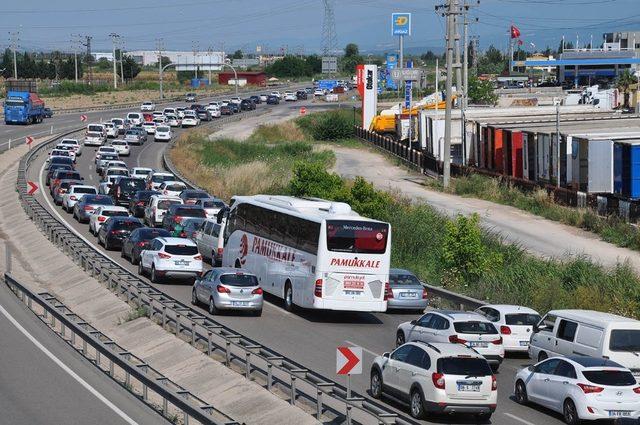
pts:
[454, 253]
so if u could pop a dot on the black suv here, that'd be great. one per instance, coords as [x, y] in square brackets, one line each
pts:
[247, 105]
[256, 99]
[178, 212]
[125, 188]
[301, 95]
[117, 229]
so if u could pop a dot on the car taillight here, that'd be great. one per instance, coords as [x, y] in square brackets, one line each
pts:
[424, 293]
[455, 340]
[222, 289]
[177, 219]
[102, 218]
[257, 291]
[497, 341]
[438, 380]
[220, 251]
[588, 389]
[141, 244]
[636, 390]
[165, 191]
[317, 291]
[87, 208]
[505, 330]
[140, 204]
[388, 293]
[197, 257]
[494, 383]
[163, 255]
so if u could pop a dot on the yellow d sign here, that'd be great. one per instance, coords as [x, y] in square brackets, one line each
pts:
[402, 20]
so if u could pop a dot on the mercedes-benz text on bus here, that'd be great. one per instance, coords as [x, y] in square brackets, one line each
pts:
[310, 252]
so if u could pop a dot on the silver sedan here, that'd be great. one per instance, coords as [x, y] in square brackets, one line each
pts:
[408, 292]
[226, 288]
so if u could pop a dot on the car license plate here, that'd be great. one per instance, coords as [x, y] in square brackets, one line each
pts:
[524, 343]
[479, 344]
[469, 387]
[408, 294]
[619, 413]
[239, 303]
[181, 262]
[353, 292]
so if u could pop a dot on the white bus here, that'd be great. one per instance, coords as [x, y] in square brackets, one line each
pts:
[310, 252]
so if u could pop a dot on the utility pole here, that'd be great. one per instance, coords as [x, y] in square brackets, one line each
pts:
[89, 58]
[195, 52]
[451, 9]
[557, 102]
[209, 53]
[121, 60]
[456, 38]
[15, 39]
[114, 38]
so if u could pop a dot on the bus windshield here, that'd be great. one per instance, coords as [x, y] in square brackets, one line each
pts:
[361, 237]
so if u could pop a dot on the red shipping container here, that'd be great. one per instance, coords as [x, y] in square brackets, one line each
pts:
[516, 154]
[498, 150]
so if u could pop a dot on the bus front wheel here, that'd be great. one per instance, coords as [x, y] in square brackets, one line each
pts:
[288, 297]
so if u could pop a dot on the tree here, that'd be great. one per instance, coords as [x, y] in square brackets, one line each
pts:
[491, 62]
[351, 50]
[624, 81]
[567, 45]
[237, 54]
[481, 92]
[314, 62]
[130, 67]
[104, 64]
[290, 66]
[429, 56]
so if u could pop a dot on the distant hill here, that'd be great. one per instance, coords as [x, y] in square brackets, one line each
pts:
[415, 50]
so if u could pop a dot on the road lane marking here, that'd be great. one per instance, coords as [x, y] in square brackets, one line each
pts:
[518, 419]
[67, 369]
[363, 348]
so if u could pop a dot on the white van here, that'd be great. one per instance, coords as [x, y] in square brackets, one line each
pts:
[97, 128]
[588, 333]
[209, 240]
[135, 118]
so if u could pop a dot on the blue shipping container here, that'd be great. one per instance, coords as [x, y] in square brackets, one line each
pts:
[195, 82]
[620, 172]
[634, 168]
[626, 169]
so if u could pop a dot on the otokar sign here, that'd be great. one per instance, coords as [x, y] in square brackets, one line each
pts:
[367, 78]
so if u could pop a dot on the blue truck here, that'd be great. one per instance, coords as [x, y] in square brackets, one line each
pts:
[23, 107]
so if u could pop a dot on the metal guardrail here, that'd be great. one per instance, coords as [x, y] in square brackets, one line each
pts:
[107, 355]
[290, 380]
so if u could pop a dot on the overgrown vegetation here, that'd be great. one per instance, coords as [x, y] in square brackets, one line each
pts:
[134, 314]
[328, 126]
[459, 255]
[611, 229]
[261, 164]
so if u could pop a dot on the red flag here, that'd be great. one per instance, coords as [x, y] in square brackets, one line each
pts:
[515, 32]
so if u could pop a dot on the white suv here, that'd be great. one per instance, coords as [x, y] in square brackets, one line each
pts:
[436, 378]
[157, 207]
[514, 322]
[170, 257]
[458, 327]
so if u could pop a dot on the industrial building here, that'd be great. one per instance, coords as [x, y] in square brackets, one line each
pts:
[257, 78]
[184, 60]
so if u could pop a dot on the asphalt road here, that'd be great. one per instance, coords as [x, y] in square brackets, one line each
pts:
[309, 337]
[44, 381]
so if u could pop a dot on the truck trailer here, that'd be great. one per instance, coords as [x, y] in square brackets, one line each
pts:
[23, 107]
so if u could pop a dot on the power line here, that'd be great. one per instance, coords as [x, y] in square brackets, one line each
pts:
[329, 39]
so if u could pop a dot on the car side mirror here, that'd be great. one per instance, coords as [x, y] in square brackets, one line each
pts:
[531, 368]
[536, 328]
[413, 322]
[386, 354]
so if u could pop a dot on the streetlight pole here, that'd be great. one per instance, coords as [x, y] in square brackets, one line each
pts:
[114, 37]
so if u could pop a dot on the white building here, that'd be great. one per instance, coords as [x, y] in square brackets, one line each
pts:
[100, 55]
[184, 60]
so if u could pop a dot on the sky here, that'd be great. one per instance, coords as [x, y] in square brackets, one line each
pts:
[297, 25]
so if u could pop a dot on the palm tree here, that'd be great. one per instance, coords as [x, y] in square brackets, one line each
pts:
[625, 80]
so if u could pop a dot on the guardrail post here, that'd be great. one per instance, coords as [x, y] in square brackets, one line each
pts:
[227, 354]
[349, 414]
[193, 333]
[7, 256]
[247, 361]
[293, 389]
[178, 324]
[269, 376]
[63, 329]
[209, 334]
[318, 403]
[164, 316]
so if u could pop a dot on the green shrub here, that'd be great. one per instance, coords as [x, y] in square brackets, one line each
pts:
[329, 126]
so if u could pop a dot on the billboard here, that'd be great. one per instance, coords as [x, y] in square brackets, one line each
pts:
[407, 88]
[401, 24]
[329, 64]
[392, 63]
[368, 78]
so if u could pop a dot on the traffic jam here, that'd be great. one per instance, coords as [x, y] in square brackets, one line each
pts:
[316, 254]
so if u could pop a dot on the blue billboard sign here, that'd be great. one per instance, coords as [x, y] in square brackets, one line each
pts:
[401, 24]
[407, 88]
[392, 63]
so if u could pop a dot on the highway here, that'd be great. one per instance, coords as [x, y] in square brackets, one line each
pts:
[37, 364]
[309, 337]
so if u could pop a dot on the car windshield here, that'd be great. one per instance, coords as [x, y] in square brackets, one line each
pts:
[110, 213]
[108, 157]
[522, 319]
[403, 280]
[118, 172]
[148, 234]
[196, 195]
[162, 129]
[94, 134]
[95, 128]
[465, 366]
[166, 203]
[212, 204]
[141, 172]
[239, 279]
[190, 212]
[610, 377]
[126, 225]
[175, 187]
[625, 340]
[119, 143]
[144, 195]
[84, 190]
[131, 185]
[99, 200]
[473, 327]
[361, 237]
[160, 178]
[131, 133]
[181, 249]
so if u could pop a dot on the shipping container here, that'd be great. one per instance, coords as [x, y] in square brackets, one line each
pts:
[517, 154]
[529, 148]
[498, 150]
[543, 146]
[600, 157]
[626, 161]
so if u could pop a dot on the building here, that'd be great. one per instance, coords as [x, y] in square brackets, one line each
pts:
[588, 66]
[258, 78]
[184, 60]
[102, 55]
